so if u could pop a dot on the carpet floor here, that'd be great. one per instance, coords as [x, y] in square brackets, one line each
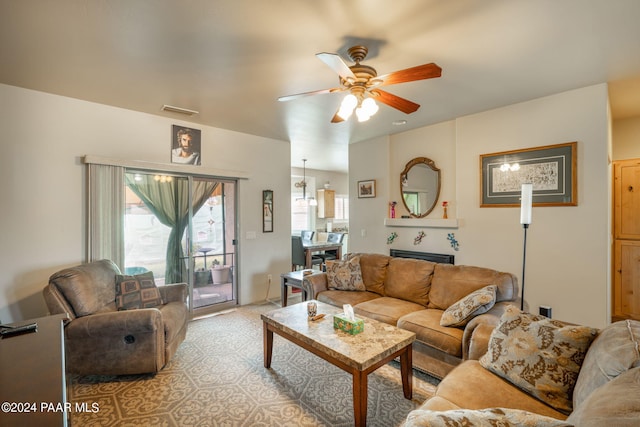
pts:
[217, 378]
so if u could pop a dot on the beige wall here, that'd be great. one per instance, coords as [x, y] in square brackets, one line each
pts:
[42, 191]
[626, 139]
[568, 247]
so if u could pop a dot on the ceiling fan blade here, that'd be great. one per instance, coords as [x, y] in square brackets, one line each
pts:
[421, 72]
[315, 92]
[394, 101]
[336, 64]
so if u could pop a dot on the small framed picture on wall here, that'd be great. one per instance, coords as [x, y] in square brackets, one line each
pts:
[367, 188]
[185, 145]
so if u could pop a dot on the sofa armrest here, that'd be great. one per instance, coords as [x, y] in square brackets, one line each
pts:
[115, 323]
[478, 343]
[174, 292]
[314, 284]
[475, 344]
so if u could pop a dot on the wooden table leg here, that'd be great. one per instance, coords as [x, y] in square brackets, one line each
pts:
[360, 398]
[267, 344]
[284, 294]
[307, 255]
[406, 372]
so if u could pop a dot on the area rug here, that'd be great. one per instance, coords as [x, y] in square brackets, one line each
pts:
[217, 378]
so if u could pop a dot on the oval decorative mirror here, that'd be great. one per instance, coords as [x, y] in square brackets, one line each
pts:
[420, 186]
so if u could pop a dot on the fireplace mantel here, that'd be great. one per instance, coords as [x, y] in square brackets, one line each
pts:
[421, 222]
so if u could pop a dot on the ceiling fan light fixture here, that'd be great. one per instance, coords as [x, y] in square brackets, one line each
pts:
[370, 106]
[346, 107]
[362, 115]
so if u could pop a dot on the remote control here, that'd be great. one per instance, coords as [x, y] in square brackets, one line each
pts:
[16, 330]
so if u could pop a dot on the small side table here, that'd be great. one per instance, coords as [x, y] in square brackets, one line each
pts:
[292, 279]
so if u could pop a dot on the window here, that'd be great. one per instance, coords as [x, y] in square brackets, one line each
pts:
[342, 207]
[302, 215]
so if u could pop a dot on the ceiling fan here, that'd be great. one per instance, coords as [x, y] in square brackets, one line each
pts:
[363, 85]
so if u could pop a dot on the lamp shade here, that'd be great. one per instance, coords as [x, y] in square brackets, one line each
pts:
[526, 203]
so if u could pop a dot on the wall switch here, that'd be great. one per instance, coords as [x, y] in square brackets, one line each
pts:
[363, 233]
[545, 310]
[251, 235]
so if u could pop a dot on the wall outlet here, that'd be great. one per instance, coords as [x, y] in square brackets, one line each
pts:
[545, 310]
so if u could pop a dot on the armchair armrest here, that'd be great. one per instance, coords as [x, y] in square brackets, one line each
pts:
[118, 323]
[174, 292]
[315, 283]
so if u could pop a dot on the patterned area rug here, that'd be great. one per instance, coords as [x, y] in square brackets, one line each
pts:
[217, 378]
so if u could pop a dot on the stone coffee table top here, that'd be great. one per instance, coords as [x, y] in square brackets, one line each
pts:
[361, 351]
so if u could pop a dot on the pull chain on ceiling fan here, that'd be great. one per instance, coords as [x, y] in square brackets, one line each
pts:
[363, 85]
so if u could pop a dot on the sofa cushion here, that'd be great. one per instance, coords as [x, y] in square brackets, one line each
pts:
[502, 417]
[614, 351]
[139, 291]
[374, 270]
[340, 298]
[345, 275]
[426, 325]
[409, 280]
[477, 302]
[453, 282]
[539, 355]
[385, 309]
[89, 288]
[616, 403]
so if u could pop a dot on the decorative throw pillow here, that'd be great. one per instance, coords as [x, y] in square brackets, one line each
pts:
[502, 417]
[345, 275]
[477, 302]
[139, 291]
[539, 355]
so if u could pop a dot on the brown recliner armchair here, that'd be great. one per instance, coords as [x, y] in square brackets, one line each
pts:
[101, 340]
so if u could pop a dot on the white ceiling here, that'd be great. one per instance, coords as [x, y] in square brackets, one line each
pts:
[231, 59]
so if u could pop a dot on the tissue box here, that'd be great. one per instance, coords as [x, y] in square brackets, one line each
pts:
[342, 323]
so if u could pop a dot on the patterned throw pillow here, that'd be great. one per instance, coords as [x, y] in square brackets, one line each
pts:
[139, 291]
[345, 275]
[477, 302]
[539, 355]
[502, 417]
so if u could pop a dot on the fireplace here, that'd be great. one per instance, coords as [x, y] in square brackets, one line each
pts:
[440, 258]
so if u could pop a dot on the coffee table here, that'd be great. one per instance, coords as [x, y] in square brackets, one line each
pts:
[358, 354]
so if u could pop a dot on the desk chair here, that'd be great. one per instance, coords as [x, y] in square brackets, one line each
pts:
[331, 254]
[298, 256]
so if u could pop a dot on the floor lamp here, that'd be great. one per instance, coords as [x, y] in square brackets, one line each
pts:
[526, 200]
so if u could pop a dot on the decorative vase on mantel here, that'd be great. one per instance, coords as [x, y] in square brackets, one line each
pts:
[392, 209]
[445, 205]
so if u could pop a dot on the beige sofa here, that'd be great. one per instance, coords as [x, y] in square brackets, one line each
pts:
[99, 339]
[413, 294]
[606, 391]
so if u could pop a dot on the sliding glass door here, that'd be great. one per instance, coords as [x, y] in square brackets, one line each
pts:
[183, 229]
[212, 243]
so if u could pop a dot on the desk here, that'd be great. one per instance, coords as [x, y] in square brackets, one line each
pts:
[32, 370]
[310, 247]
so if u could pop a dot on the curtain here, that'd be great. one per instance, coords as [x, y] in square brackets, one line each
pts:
[168, 199]
[105, 219]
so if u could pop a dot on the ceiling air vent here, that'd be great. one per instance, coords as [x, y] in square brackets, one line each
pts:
[179, 110]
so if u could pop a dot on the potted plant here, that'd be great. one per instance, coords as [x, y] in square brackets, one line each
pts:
[220, 273]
